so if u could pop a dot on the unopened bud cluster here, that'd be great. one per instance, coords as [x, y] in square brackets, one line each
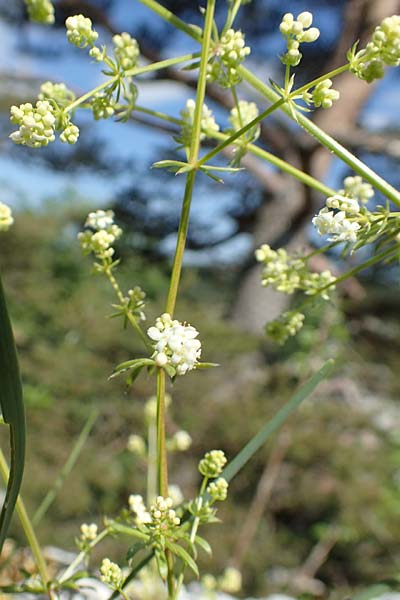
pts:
[36, 124]
[88, 532]
[288, 324]
[227, 55]
[105, 233]
[111, 574]
[382, 51]
[6, 218]
[58, 92]
[208, 123]
[296, 32]
[323, 95]
[41, 11]
[242, 115]
[218, 489]
[80, 31]
[212, 464]
[103, 106]
[126, 50]
[289, 274]
[175, 344]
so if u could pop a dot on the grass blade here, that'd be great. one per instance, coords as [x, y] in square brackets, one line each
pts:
[12, 407]
[277, 421]
[66, 470]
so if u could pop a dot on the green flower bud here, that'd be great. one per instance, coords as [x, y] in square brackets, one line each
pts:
[70, 134]
[80, 32]
[212, 464]
[126, 50]
[287, 325]
[111, 574]
[41, 11]
[218, 489]
[226, 56]
[323, 95]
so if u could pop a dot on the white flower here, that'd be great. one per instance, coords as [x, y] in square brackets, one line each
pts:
[337, 225]
[182, 440]
[339, 202]
[175, 344]
[6, 218]
[100, 219]
[175, 493]
[137, 506]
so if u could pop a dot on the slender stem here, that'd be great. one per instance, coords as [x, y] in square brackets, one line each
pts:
[173, 20]
[232, 12]
[131, 318]
[89, 94]
[325, 139]
[122, 593]
[81, 556]
[162, 465]
[152, 463]
[28, 528]
[157, 114]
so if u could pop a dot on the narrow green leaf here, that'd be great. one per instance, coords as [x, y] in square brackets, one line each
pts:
[134, 549]
[136, 363]
[12, 407]
[277, 421]
[203, 544]
[184, 555]
[206, 365]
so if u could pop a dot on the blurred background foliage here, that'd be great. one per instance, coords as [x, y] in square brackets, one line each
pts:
[317, 511]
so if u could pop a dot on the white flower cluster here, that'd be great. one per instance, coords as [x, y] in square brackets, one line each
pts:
[111, 574]
[338, 225]
[88, 532]
[162, 514]
[208, 123]
[101, 240]
[137, 506]
[80, 32]
[181, 441]
[296, 32]
[136, 445]
[41, 11]
[227, 55]
[383, 50]
[57, 92]
[70, 134]
[175, 344]
[241, 116]
[288, 274]
[36, 124]
[126, 50]
[218, 489]
[288, 324]
[175, 493]
[6, 218]
[324, 95]
[355, 187]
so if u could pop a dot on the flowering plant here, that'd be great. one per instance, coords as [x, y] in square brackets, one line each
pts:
[164, 528]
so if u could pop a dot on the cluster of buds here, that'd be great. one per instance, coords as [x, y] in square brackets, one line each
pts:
[57, 92]
[355, 187]
[289, 274]
[208, 123]
[137, 506]
[136, 445]
[36, 124]
[70, 134]
[126, 50]
[164, 521]
[135, 302]
[212, 464]
[105, 233]
[88, 532]
[226, 56]
[111, 574]
[242, 115]
[6, 218]
[323, 95]
[288, 324]
[218, 490]
[180, 441]
[383, 50]
[102, 106]
[41, 11]
[296, 32]
[175, 344]
[80, 31]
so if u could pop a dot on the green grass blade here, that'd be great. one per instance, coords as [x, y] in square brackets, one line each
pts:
[277, 421]
[12, 407]
[66, 470]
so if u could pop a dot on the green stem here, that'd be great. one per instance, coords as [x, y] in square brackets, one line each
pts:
[152, 463]
[81, 556]
[162, 465]
[159, 115]
[173, 20]
[28, 528]
[122, 593]
[325, 139]
[232, 12]
[131, 318]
